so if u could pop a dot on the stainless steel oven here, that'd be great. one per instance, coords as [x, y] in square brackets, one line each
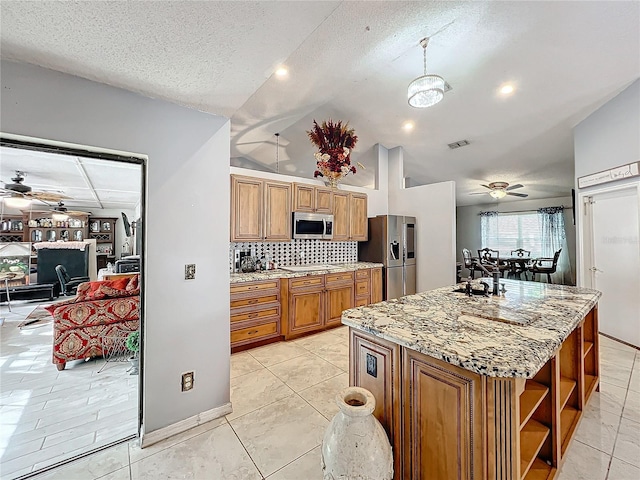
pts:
[312, 226]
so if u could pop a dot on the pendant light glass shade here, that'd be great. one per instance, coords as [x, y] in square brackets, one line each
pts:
[427, 90]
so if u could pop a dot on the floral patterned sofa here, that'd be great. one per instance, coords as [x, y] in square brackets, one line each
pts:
[99, 309]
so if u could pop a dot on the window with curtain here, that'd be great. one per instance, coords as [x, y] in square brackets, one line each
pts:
[506, 232]
[541, 232]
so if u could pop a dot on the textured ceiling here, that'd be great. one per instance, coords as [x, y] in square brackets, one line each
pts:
[353, 61]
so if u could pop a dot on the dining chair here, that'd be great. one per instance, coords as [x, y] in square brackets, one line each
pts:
[518, 263]
[545, 265]
[491, 258]
[470, 263]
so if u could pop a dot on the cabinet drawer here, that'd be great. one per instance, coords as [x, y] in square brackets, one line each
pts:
[254, 333]
[339, 277]
[255, 301]
[362, 301]
[274, 311]
[316, 281]
[362, 287]
[362, 274]
[253, 287]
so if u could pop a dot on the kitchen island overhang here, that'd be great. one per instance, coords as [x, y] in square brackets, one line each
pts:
[502, 380]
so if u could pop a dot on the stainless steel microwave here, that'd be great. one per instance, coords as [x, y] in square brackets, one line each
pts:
[312, 225]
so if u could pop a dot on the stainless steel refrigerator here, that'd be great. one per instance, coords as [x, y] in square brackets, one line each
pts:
[392, 242]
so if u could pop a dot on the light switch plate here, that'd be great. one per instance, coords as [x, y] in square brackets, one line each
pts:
[190, 271]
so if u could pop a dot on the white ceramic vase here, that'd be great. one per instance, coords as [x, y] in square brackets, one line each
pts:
[355, 446]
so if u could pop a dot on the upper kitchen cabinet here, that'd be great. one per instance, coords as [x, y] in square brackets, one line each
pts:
[260, 209]
[308, 198]
[358, 217]
[277, 211]
[350, 216]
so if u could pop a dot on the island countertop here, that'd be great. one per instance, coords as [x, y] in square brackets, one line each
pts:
[512, 335]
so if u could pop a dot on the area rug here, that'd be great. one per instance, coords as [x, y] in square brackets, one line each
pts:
[37, 318]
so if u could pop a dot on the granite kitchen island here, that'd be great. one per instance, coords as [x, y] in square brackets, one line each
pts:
[478, 387]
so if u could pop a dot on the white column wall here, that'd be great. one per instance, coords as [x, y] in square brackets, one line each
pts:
[187, 322]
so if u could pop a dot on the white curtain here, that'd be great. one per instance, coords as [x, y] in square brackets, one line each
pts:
[553, 239]
[488, 229]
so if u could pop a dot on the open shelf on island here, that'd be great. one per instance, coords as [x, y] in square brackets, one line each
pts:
[586, 348]
[532, 396]
[568, 420]
[566, 389]
[590, 383]
[539, 471]
[532, 436]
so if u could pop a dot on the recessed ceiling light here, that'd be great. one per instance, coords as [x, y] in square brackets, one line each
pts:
[408, 125]
[282, 71]
[507, 89]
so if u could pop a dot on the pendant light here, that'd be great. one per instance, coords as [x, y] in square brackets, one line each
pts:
[427, 90]
[277, 152]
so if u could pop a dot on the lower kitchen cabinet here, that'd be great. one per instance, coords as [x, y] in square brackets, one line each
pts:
[269, 310]
[306, 310]
[255, 312]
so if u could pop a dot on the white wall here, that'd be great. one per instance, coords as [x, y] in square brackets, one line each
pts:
[468, 224]
[434, 208]
[187, 322]
[609, 137]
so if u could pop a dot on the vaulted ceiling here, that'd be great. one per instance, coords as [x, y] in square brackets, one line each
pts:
[353, 61]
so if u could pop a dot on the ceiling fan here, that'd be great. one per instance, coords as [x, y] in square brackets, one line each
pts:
[61, 211]
[19, 195]
[501, 189]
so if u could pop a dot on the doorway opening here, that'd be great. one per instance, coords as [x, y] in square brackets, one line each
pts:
[66, 378]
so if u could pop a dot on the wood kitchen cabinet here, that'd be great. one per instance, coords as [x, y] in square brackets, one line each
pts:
[277, 211]
[446, 422]
[339, 296]
[376, 285]
[309, 198]
[260, 209]
[255, 312]
[350, 216]
[358, 226]
[306, 304]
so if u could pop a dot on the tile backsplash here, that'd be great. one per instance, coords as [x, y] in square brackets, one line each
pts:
[299, 252]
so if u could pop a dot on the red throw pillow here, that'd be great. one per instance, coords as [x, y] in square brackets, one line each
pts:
[102, 289]
[133, 283]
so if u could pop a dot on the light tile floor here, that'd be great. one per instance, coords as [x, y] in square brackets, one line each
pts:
[283, 398]
[47, 416]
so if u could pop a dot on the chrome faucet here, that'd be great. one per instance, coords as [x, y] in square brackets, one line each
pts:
[495, 274]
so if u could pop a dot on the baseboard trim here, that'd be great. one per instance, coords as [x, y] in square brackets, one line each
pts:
[156, 436]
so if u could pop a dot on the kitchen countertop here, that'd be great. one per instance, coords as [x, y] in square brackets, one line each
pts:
[441, 323]
[279, 273]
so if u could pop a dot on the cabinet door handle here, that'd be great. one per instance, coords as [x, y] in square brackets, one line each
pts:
[253, 288]
[252, 332]
[251, 302]
[252, 315]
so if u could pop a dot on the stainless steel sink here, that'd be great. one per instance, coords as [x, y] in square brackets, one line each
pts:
[306, 268]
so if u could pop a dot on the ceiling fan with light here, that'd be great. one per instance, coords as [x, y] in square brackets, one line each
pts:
[500, 190]
[18, 195]
[60, 212]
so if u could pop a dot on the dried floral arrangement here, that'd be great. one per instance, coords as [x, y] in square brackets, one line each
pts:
[335, 141]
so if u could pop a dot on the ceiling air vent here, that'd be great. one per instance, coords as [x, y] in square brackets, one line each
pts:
[461, 143]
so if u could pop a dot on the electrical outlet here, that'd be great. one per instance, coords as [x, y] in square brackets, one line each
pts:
[187, 381]
[190, 271]
[372, 365]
